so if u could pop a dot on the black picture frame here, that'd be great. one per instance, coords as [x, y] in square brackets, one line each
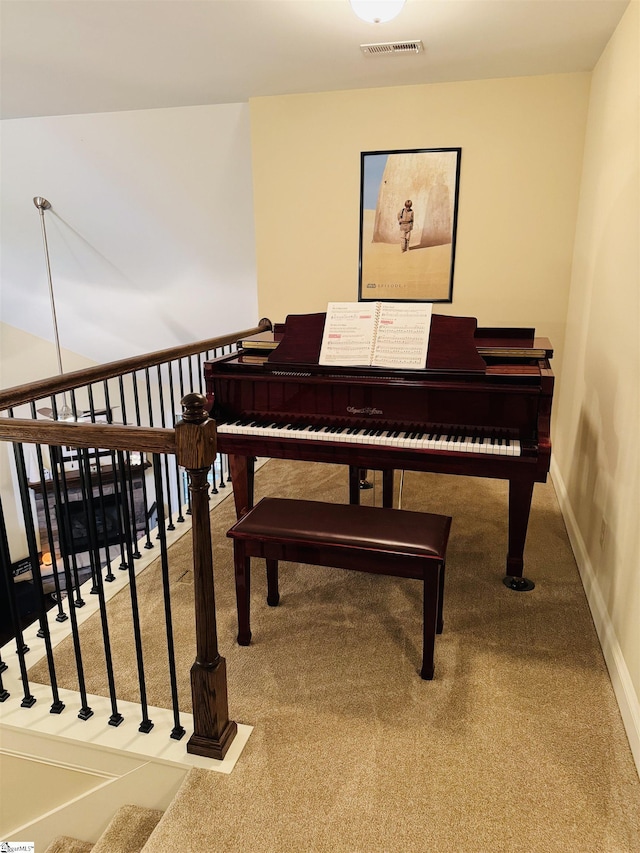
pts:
[420, 269]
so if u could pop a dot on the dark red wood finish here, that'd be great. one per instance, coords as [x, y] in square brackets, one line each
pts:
[511, 397]
[334, 537]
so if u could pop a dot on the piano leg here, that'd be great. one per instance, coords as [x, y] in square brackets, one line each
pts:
[520, 494]
[387, 488]
[242, 477]
[354, 485]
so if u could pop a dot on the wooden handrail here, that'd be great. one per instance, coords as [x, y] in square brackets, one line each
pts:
[71, 434]
[31, 391]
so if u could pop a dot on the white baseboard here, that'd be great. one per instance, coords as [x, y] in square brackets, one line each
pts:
[626, 696]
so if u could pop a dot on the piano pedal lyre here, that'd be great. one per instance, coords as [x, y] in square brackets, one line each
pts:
[363, 483]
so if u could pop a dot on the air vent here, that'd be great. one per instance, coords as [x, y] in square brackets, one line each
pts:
[389, 47]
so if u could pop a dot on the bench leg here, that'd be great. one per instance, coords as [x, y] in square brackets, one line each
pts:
[430, 618]
[440, 625]
[242, 567]
[273, 596]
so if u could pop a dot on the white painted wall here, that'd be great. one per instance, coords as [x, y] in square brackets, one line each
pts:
[151, 233]
[151, 241]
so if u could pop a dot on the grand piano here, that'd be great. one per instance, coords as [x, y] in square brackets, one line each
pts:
[481, 407]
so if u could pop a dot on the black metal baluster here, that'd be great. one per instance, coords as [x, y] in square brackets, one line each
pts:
[109, 577]
[4, 694]
[118, 500]
[163, 422]
[23, 482]
[64, 522]
[149, 406]
[64, 517]
[149, 399]
[222, 457]
[174, 415]
[85, 466]
[186, 474]
[190, 363]
[74, 405]
[21, 649]
[178, 731]
[116, 497]
[85, 710]
[223, 485]
[87, 489]
[225, 455]
[181, 378]
[132, 503]
[61, 615]
[146, 725]
[214, 485]
[147, 509]
[129, 476]
[200, 372]
[119, 481]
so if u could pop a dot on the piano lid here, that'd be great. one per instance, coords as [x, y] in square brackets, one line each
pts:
[452, 343]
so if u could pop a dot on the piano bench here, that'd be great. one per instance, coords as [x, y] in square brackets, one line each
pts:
[363, 538]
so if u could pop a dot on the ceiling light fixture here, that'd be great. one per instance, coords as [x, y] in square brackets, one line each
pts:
[377, 11]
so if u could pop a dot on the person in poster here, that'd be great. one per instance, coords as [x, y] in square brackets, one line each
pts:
[405, 220]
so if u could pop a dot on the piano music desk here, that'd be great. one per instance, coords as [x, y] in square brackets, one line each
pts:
[362, 538]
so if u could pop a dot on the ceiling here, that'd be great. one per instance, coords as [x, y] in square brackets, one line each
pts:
[83, 56]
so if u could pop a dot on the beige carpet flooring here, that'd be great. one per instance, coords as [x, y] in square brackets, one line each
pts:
[516, 745]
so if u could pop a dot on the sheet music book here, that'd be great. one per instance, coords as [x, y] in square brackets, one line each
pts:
[376, 334]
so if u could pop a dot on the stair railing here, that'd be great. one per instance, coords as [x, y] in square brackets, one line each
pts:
[110, 480]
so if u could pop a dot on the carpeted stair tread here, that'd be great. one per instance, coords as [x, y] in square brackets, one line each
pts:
[128, 830]
[167, 833]
[66, 844]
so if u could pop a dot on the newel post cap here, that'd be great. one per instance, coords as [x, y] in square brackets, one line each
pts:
[195, 434]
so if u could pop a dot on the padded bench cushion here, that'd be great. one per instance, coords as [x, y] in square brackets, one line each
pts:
[346, 525]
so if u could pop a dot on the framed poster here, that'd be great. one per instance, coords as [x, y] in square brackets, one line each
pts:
[408, 219]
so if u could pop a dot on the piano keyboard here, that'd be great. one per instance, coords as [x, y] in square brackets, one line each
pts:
[418, 440]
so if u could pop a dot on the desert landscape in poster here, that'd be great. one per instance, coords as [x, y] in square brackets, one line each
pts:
[389, 273]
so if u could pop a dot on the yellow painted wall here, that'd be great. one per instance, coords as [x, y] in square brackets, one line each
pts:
[521, 141]
[598, 399]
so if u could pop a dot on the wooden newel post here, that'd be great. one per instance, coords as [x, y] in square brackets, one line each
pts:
[213, 731]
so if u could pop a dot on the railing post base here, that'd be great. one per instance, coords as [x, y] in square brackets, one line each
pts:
[213, 734]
